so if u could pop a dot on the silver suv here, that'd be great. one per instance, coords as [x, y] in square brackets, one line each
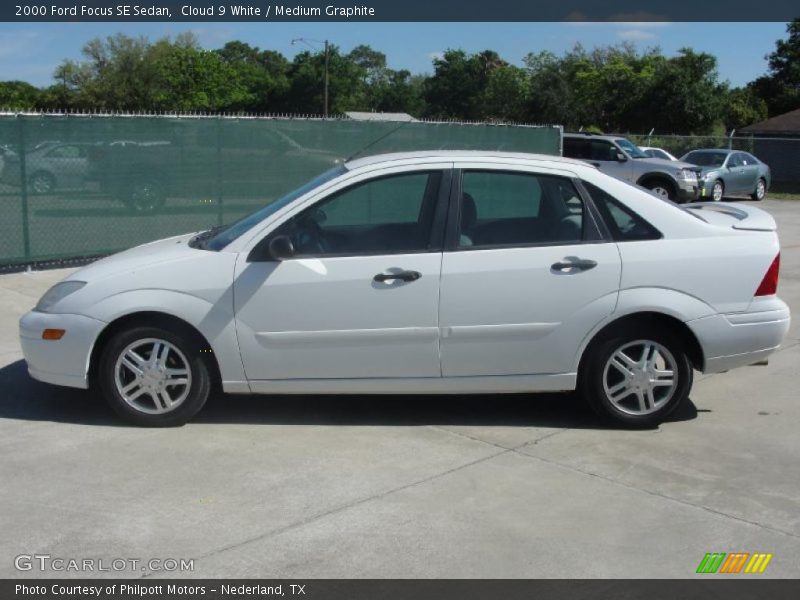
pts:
[621, 158]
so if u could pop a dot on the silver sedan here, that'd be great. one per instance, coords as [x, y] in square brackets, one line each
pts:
[729, 173]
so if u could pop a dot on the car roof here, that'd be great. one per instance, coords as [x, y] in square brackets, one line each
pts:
[595, 136]
[709, 150]
[461, 156]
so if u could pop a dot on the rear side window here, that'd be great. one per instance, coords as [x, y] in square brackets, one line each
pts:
[501, 209]
[624, 224]
[576, 148]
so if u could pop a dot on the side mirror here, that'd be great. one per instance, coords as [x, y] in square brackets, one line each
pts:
[621, 157]
[281, 248]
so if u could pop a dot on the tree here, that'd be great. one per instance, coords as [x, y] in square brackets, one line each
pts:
[18, 95]
[780, 88]
[263, 74]
[307, 76]
[473, 87]
[743, 107]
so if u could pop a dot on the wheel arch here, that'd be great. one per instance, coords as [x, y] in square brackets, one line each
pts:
[157, 319]
[656, 176]
[648, 319]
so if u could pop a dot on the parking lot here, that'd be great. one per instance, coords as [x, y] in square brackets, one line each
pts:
[373, 486]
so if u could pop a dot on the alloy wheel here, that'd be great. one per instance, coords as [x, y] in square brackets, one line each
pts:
[152, 376]
[717, 191]
[660, 191]
[640, 377]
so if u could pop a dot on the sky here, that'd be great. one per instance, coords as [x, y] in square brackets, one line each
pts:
[30, 52]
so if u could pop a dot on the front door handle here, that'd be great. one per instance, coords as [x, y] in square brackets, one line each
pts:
[402, 275]
[578, 264]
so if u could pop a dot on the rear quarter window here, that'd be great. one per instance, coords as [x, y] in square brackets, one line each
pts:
[623, 224]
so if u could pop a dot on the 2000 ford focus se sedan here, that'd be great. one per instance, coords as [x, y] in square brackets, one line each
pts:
[428, 272]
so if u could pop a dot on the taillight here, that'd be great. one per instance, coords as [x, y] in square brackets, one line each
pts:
[769, 285]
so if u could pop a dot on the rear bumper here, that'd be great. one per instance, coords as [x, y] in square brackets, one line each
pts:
[739, 339]
[62, 362]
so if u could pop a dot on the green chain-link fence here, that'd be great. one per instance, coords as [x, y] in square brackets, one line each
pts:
[74, 186]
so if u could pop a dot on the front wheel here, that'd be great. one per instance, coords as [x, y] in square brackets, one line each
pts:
[761, 190]
[637, 379]
[662, 189]
[717, 191]
[154, 377]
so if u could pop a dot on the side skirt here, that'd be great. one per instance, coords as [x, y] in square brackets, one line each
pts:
[562, 382]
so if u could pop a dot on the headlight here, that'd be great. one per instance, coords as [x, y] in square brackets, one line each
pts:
[687, 175]
[57, 293]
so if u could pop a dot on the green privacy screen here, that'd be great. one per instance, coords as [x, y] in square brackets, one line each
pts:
[75, 186]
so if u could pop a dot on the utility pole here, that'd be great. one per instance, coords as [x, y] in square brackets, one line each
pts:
[325, 113]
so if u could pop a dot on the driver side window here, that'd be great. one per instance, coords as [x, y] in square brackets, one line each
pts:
[388, 215]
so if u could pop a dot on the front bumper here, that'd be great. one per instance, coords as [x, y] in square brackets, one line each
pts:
[739, 339]
[65, 361]
[687, 193]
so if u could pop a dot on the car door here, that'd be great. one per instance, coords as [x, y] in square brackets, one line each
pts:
[750, 174]
[68, 163]
[359, 296]
[525, 275]
[737, 175]
[606, 156]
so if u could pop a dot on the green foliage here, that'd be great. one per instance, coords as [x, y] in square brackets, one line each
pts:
[18, 95]
[780, 87]
[474, 87]
[616, 88]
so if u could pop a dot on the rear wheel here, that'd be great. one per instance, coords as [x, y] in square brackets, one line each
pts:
[146, 196]
[42, 182]
[760, 191]
[154, 377]
[717, 191]
[637, 378]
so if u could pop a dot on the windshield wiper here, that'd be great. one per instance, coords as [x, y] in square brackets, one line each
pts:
[201, 239]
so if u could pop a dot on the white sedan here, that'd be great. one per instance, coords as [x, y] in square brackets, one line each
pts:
[424, 273]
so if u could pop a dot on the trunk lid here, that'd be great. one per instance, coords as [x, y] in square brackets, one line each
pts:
[741, 216]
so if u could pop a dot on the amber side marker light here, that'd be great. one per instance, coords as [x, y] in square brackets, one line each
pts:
[53, 334]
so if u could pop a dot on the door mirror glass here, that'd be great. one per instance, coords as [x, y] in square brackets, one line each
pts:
[281, 248]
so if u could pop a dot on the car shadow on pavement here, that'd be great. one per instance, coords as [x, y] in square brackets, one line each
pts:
[24, 398]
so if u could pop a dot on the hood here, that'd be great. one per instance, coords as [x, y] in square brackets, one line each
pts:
[668, 164]
[129, 261]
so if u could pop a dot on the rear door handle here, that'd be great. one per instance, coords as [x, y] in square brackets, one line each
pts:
[578, 264]
[402, 275]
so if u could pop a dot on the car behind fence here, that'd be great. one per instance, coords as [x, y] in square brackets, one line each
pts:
[87, 185]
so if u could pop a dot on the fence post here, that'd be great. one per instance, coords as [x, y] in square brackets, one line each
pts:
[220, 208]
[730, 139]
[23, 183]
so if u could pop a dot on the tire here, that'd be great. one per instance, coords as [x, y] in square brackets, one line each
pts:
[146, 196]
[139, 404]
[718, 191]
[760, 191]
[601, 378]
[42, 182]
[663, 189]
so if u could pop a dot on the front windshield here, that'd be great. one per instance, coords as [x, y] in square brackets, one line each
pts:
[225, 236]
[632, 149]
[706, 159]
